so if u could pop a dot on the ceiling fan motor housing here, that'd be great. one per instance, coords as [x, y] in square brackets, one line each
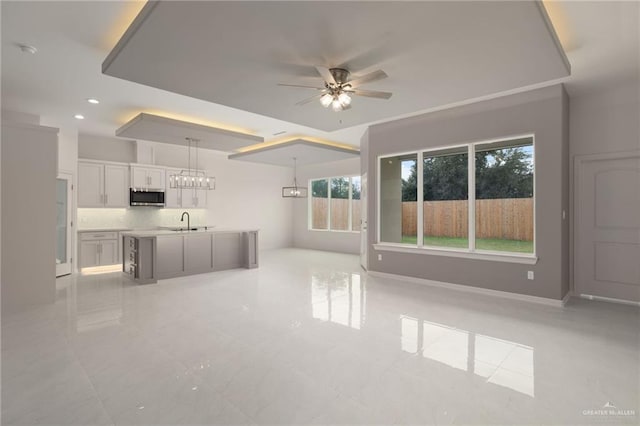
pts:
[340, 75]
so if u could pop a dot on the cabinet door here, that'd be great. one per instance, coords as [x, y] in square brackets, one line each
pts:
[90, 185]
[172, 196]
[198, 253]
[89, 253]
[108, 252]
[155, 178]
[228, 253]
[169, 256]
[139, 177]
[200, 198]
[116, 190]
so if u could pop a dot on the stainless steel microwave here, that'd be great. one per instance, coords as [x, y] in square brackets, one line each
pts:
[146, 198]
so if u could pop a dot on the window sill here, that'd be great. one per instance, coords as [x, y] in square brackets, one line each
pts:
[339, 231]
[526, 259]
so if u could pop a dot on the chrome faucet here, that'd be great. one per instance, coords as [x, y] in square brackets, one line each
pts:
[188, 220]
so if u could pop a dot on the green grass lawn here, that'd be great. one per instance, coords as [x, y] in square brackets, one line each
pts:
[481, 243]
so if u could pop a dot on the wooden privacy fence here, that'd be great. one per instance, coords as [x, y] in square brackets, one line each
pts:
[505, 218]
[339, 214]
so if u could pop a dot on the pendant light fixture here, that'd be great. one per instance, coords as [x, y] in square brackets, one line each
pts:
[192, 178]
[294, 191]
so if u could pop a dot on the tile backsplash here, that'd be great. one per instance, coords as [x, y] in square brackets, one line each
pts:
[137, 218]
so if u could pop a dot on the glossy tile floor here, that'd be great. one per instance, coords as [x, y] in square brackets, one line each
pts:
[309, 339]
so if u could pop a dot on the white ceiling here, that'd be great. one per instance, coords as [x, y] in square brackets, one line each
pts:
[73, 38]
[151, 127]
[435, 53]
[305, 152]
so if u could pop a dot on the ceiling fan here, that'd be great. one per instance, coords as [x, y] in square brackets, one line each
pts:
[338, 88]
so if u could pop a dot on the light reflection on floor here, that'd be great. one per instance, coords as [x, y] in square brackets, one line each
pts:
[501, 362]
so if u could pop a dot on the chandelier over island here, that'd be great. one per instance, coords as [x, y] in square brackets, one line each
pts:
[192, 178]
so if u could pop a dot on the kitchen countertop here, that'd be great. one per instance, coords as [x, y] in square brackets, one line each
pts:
[165, 232]
[104, 230]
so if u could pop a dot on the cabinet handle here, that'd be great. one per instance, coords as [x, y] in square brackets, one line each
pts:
[99, 248]
[106, 198]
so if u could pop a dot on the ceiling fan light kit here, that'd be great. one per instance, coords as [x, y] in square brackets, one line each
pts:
[338, 88]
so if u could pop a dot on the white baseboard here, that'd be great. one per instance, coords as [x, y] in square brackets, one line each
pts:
[477, 290]
[609, 299]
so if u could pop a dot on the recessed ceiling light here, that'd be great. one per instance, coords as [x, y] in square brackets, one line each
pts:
[79, 116]
[27, 48]
[93, 101]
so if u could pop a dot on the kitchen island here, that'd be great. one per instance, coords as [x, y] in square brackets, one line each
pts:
[149, 256]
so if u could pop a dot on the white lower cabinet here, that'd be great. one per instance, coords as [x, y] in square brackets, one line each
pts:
[98, 249]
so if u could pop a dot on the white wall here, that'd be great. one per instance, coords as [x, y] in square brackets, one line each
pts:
[95, 147]
[247, 195]
[28, 215]
[303, 237]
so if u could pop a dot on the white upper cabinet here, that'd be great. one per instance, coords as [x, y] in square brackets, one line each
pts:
[102, 185]
[90, 184]
[147, 178]
[116, 188]
[172, 196]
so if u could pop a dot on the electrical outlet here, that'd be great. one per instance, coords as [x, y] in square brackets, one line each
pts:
[379, 257]
[530, 275]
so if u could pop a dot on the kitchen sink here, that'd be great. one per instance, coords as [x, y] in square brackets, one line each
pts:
[202, 228]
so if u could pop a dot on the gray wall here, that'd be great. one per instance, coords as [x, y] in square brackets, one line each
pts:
[29, 169]
[542, 112]
[343, 242]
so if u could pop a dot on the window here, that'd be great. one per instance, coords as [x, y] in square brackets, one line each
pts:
[504, 196]
[398, 199]
[340, 204]
[475, 197]
[446, 198]
[320, 204]
[335, 204]
[356, 212]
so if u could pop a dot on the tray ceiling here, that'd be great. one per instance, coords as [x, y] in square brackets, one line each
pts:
[435, 53]
[155, 128]
[304, 151]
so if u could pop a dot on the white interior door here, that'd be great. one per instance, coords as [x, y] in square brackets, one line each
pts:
[363, 221]
[64, 185]
[607, 258]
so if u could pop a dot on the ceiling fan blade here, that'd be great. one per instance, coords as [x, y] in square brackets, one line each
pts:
[326, 75]
[372, 76]
[370, 93]
[311, 99]
[300, 85]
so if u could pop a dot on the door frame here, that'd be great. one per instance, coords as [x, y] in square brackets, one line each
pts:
[71, 220]
[364, 221]
[578, 168]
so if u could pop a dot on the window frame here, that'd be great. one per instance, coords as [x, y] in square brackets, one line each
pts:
[350, 198]
[471, 251]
